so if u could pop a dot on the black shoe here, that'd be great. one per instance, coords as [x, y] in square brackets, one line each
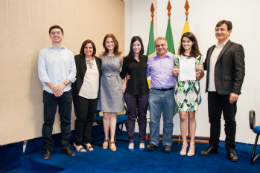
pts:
[47, 155]
[151, 146]
[166, 148]
[210, 150]
[232, 155]
[68, 152]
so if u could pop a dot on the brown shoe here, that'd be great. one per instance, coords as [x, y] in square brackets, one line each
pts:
[105, 144]
[112, 148]
[210, 150]
[47, 155]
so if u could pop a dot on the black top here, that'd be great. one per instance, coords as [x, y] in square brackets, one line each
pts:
[137, 84]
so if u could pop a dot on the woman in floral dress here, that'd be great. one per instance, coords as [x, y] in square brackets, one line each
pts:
[187, 93]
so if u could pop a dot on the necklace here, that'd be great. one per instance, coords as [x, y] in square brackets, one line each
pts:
[90, 62]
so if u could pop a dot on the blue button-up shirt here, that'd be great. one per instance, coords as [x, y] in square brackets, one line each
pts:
[160, 70]
[56, 66]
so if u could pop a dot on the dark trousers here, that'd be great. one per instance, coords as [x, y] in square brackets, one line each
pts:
[50, 103]
[216, 105]
[84, 110]
[131, 102]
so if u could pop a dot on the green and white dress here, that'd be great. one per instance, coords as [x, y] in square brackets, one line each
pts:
[187, 93]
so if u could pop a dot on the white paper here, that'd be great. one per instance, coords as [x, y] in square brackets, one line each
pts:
[187, 69]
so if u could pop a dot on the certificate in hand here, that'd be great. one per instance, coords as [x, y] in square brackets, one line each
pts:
[187, 69]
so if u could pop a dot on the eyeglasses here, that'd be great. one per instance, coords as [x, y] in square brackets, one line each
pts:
[58, 32]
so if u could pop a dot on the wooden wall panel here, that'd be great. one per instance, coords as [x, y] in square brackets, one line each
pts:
[24, 29]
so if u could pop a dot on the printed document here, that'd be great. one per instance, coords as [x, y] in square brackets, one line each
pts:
[187, 69]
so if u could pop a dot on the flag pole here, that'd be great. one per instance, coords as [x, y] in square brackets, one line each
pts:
[169, 8]
[152, 11]
[187, 9]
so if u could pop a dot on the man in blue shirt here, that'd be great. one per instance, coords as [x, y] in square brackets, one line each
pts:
[56, 69]
[161, 95]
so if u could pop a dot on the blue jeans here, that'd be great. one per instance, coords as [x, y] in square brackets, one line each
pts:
[161, 102]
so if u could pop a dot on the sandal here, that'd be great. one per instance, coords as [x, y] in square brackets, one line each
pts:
[79, 148]
[112, 148]
[105, 146]
[89, 147]
[191, 149]
[184, 148]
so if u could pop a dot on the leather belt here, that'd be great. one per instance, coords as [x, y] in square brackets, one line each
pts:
[164, 89]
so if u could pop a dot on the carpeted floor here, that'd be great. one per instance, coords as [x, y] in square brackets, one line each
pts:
[122, 160]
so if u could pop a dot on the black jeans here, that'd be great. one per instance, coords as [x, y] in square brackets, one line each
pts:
[216, 104]
[84, 110]
[50, 103]
[131, 102]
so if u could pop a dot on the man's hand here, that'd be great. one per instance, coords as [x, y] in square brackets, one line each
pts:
[56, 91]
[60, 88]
[233, 98]
[175, 72]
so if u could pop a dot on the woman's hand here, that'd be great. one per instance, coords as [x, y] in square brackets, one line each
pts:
[199, 67]
[123, 88]
[175, 72]
[127, 77]
[200, 72]
[100, 55]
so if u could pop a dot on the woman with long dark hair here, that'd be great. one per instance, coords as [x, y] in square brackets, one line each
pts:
[187, 93]
[111, 98]
[85, 93]
[136, 91]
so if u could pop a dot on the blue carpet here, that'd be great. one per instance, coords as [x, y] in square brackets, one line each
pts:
[21, 170]
[10, 156]
[122, 160]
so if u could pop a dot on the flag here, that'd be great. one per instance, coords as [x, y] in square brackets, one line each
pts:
[150, 49]
[185, 29]
[169, 38]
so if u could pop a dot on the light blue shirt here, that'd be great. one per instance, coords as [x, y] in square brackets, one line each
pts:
[56, 66]
[160, 70]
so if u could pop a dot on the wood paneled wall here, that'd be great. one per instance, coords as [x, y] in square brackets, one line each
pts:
[24, 26]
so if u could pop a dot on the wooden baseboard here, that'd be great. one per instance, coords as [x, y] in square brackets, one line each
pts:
[198, 139]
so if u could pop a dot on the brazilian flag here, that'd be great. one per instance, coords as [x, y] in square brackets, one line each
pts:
[169, 38]
[150, 49]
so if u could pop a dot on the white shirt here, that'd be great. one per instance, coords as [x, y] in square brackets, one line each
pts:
[212, 65]
[89, 88]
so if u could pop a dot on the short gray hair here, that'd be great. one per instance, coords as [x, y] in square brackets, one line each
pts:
[160, 38]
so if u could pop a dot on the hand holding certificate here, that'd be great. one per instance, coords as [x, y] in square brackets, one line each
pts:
[187, 69]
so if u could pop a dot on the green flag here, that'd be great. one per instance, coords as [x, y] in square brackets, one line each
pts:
[169, 38]
[151, 49]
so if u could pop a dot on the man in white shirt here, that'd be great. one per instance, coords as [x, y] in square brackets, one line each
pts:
[225, 67]
[56, 69]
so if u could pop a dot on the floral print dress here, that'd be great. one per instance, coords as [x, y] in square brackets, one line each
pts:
[187, 93]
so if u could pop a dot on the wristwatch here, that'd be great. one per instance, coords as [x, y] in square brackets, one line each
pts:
[66, 83]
